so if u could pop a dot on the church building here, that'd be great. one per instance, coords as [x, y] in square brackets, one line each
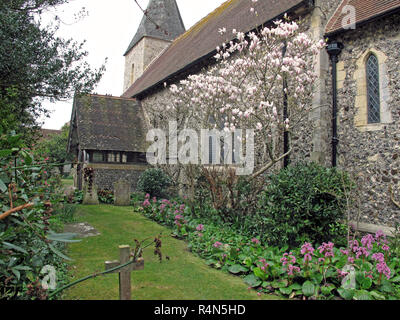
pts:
[355, 123]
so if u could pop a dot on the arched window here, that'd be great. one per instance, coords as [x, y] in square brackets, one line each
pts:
[373, 90]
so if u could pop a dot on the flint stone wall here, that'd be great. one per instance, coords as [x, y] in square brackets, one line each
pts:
[106, 175]
[372, 154]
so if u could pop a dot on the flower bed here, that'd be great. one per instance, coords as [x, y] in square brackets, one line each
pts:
[365, 270]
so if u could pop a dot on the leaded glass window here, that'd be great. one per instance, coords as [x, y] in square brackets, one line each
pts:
[373, 94]
[97, 157]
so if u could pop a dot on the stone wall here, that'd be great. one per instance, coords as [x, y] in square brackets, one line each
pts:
[372, 152]
[105, 175]
[140, 56]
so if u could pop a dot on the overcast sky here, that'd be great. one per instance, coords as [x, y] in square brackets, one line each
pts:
[108, 30]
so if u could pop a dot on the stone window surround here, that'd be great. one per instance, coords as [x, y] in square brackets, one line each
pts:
[361, 101]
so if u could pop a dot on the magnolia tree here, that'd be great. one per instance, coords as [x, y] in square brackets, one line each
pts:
[262, 81]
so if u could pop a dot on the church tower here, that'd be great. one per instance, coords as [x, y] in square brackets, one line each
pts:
[161, 24]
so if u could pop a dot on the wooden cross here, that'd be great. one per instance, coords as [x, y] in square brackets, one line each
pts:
[125, 273]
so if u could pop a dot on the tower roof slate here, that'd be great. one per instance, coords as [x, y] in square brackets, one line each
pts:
[162, 21]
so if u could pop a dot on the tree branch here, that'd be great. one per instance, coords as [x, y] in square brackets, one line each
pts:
[269, 165]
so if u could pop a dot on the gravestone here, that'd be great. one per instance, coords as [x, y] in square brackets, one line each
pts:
[90, 196]
[74, 175]
[122, 193]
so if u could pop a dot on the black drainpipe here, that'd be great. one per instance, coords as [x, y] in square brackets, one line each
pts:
[334, 49]
[286, 160]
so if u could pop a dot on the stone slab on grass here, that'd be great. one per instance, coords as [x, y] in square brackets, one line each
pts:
[83, 230]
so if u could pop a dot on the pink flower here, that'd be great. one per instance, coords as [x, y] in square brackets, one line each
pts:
[287, 259]
[308, 251]
[342, 273]
[378, 257]
[217, 244]
[362, 252]
[200, 227]
[327, 248]
[354, 245]
[382, 268]
[367, 241]
[292, 269]
[255, 240]
[146, 203]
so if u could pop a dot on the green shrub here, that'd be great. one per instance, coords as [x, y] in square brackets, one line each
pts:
[106, 196]
[303, 203]
[28, 238]
[154, 182]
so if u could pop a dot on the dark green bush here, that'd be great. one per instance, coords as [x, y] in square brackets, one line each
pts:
[154, 181]
[303, 203]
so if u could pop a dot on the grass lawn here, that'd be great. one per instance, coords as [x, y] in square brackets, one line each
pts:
[183, 277]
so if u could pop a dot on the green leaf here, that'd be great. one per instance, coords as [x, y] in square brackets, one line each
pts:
[27, 157]
[346, 294]
[14, 247]
[260, 274]
[317, 278]
[386, 286]
[211, 262]
[59, 253]
[3, 187]
[279, 283]
[377, 295]
[5, 153]
[295, 286]
[237, 268]
[396, 279]
[286, 291]
[62, 237]
[252, 280]
[326, 290]
[16, 272]
[308, 288]
[23, 268]
[362, 295]
[366, 283]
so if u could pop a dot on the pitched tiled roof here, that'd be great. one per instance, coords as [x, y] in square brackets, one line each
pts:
[364, 9]
[202, 39]
[109, 123]
[165, 14]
